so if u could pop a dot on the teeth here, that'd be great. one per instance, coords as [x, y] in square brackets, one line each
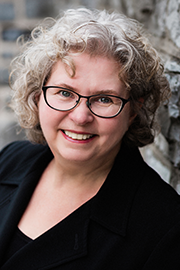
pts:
[76, 136]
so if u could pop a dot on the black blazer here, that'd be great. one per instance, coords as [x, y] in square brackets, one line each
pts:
[125, 226]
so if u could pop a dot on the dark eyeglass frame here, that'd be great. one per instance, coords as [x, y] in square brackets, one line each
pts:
[124, 101]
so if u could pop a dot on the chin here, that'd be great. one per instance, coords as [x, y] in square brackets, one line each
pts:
[75, 156]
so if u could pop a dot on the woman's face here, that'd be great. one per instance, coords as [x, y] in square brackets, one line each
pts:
[78, 135]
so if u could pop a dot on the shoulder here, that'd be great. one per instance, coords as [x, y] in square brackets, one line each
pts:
[18, 155]
[18, 147]
[153, 200]
[156, 204]
[156, 194]
[154, 187]
[19, 151]
[138, 173]
[150, 182]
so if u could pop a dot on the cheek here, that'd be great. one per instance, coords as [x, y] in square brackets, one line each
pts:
[43, 112]
[47, 116]
[117, 126]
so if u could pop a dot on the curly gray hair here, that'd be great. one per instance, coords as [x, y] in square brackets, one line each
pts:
[96, 33]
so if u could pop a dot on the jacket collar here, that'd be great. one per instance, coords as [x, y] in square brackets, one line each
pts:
[51, 249]
[110, 208]
[23, 181]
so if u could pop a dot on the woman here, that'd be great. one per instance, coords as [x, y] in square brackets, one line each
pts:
[79, 195]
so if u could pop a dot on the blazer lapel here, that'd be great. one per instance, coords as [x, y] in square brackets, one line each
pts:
[60, 244]
[113, 204]
[17, 189]
[68, 240]
[14, 208]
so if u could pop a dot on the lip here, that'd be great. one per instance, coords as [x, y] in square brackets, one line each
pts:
[76, 140]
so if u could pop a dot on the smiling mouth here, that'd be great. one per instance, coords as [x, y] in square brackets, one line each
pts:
[76, 136]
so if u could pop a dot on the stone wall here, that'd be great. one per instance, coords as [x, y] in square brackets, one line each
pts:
[161, 19]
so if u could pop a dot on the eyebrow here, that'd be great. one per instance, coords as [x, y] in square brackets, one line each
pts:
[98, 92]
[65, 86]
[108, 92]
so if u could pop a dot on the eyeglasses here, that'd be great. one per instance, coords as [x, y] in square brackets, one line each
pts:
[101, 105]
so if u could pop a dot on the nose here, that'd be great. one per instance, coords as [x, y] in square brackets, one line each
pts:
[81, 114]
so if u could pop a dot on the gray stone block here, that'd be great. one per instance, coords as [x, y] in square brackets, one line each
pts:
[172, 65]
[39, 8]
[7, 12]
[4, 76]
[174, 151]
[173, 21]
[10, 132]
[11, 34]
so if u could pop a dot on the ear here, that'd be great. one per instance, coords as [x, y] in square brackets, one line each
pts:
[131, 118]
[36, 98]
[133, 115]
[141, 101]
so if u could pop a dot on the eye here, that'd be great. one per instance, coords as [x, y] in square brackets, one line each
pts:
[102, 100]
[105, 100]
[65, 93]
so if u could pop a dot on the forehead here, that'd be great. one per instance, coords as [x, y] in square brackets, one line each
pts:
[79, 61]
[87, 72]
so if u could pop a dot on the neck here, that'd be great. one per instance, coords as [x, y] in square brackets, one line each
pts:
[90, 175]
[82, 172]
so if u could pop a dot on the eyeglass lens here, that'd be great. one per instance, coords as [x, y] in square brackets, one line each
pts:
[102, 105]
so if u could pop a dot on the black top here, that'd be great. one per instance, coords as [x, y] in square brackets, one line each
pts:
[18, 241]
[126, 225]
